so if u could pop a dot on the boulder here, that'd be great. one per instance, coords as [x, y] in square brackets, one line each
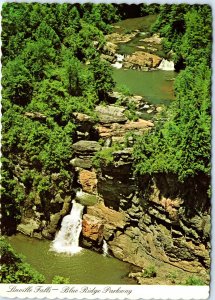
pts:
[85, 163]
[107, 57]
[140, 59]
[138, 125]
[110, 48]
[111, 114]
[86, 199]
[88, 181]
[116, 38]
[35, 116]
[28, 227]
[108, 216]
[92, 228]
[88, 147]
[117, 131]
[155, 39]
[80, 117]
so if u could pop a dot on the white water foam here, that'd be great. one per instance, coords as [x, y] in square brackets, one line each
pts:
[67, 239]
[119, 61]
[105, 248]
[166, 65]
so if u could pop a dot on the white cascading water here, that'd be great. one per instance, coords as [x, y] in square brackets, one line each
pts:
[119, 61]
[105, 248]
[67, 239]
[166, 65]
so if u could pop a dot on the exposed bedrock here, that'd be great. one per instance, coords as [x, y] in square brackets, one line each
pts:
[140, 218]
[162, 219]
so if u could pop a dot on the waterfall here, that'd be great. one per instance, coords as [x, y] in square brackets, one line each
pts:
[119, 61]
[166, 65]
[67, 239]
[105, 248]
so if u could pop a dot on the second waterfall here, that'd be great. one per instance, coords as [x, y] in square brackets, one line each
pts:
[67, 239]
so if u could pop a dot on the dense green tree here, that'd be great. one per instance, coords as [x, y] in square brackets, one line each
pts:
[181, 145]
[51, 69]
[17, 82]
[13, 269]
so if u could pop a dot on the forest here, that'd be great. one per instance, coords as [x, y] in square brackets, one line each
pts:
[52, 69]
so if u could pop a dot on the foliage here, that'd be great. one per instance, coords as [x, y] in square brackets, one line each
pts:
[101, 15]
[185, 27]
[173, 276]
[60, 280]
[150, 9]
[51, 69]
[181, 144]
[150, 272]
[13, 269]
[106, 155]
[123, 89]
[131, 111]
[194, 280]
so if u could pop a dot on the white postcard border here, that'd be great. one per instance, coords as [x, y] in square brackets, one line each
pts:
[73, 291]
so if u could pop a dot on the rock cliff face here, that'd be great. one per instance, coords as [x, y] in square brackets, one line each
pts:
[140, 219]
[42, 212]
[156, 217]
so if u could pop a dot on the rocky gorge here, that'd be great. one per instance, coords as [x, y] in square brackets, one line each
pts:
[142, 219]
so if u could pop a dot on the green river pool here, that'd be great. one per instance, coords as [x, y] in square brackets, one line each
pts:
[85, 267]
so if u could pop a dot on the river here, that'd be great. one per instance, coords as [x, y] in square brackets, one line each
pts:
[155, 86]
[85, 267]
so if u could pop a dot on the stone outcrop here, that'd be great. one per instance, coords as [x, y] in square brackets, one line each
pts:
[85, 146]
[42, 218]
[84, 127]
[154, 39]
[157, 223]
[35, 116]
[117, 131]
[111, 114]
[85, 162]
[117, 38]
[29, 227]
[88, 181]
[101, 222]
[116, 184]
[141, 60]
[92, 228]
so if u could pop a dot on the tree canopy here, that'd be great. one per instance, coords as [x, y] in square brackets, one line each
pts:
[181, 144]
[51, 69]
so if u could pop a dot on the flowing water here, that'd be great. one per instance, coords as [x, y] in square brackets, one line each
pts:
[155, 86]
[67, 239]
[105, 248]
[85, 267]
[166, 65]
[119, 60]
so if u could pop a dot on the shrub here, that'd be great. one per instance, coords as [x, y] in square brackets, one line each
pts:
[105, 155]
[150, 272]
[60, 280]
[194, 280]
[13, 269]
